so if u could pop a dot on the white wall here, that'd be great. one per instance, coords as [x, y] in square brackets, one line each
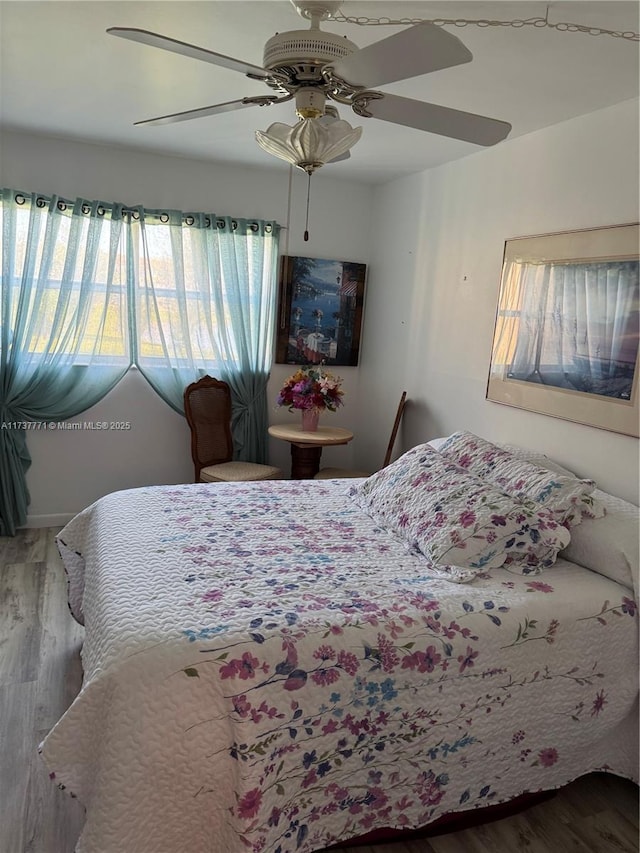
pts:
[434, 276]
[434, 245]
[71, 469]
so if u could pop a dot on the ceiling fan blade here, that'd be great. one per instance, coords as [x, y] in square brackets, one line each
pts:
[417, 50]
[185, 49]
[214, 109]
[435, 119]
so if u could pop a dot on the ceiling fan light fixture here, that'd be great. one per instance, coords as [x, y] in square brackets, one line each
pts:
[310, 143]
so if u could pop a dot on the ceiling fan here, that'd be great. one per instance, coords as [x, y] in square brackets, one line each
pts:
[313, 66]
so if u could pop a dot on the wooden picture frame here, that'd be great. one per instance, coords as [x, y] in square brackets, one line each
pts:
[566, 335]
[320, 311]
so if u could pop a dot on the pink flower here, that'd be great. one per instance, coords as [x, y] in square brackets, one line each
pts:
[309, 779]
[229, 670]
[431, 658]
[380, 799]
[539, 586]
[428, 660]
[274, 818]
[388, 657]
[422, 661]
[467, 518]
[241, 705]
[247, 666]
[324, 653]
[410, 661]
[457, 540]
[212, 595]
[249, 805]
[325, 676]
[243, 667]
[420, 479]
[468, 659]
[548, 757]
[432, 624]
[349, 662]
[311, 387]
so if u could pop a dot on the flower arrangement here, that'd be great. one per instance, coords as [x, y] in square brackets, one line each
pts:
[311, 388]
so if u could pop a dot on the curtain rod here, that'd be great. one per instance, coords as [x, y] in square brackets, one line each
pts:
[188, 219]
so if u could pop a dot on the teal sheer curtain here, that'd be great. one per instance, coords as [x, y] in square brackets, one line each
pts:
[64, 324]
[90, 288]
[205, 303]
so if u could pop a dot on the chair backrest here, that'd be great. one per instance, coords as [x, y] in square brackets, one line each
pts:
[207, 408]
[394, 431]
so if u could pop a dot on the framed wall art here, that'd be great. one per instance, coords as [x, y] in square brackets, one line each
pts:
[566, 335]
[320, 311]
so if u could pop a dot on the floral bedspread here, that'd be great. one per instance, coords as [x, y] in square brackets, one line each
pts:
[268, 670]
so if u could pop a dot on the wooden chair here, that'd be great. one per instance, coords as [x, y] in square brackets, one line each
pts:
[207, 408]
[339, 473]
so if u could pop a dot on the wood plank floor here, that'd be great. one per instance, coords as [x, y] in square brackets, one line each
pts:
[40, 674]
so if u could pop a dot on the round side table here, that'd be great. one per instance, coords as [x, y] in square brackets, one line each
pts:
[306, 447]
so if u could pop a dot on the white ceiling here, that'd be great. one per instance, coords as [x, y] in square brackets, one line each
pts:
[62, 75]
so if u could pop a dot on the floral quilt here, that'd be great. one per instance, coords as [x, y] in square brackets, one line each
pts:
[266, 669]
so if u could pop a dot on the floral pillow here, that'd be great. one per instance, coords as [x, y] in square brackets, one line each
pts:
[462, 525]
[568, 498]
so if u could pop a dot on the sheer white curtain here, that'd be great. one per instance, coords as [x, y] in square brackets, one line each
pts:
[571, 325]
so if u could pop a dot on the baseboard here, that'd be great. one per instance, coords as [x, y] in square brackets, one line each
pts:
[57, 520]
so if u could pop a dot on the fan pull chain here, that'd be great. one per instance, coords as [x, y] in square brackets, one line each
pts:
[306, 223]
[517, 23]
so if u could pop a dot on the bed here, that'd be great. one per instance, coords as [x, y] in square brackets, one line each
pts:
[269, 667]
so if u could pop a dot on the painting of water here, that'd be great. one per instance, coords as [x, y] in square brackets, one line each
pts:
[320, 312]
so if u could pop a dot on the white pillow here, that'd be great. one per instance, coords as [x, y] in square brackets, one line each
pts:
[609, 545]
